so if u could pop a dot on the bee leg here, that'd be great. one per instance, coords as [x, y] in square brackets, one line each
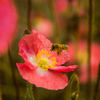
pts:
[59, 52]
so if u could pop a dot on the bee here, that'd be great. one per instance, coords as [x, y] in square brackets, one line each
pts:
[59, 48]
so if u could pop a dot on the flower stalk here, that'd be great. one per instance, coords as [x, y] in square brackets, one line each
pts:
[29, 91]
[74, 95]
[96, 92]
[0, 91]
[54, 19]
[29, 22]
[89, 50]
[13, 75]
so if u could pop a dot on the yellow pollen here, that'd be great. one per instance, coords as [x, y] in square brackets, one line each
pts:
[45, 60]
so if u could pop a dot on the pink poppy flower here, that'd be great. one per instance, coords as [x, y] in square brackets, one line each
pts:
[82, 57]
[74, 3]
[81, 11]
[44, 27]
[42, 67]
[83, 29]
[8, 24]
[61, 5]
[83, 73]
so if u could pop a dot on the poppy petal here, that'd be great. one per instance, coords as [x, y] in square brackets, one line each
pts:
[64, 69]
[43, 78]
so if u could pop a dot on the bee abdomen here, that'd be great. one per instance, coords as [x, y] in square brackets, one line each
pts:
[65, 47]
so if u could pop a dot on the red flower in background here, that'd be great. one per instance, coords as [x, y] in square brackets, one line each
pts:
[81, 10]
[44, 27]
[8, 24]
[61, 5]
[74, 3]
[82, 57]
[42, 67]
[82, 29]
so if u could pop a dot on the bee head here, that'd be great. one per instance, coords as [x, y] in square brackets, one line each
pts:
[52, 47]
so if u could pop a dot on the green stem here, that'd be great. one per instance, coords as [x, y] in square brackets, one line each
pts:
[27, 93]
[96, 93]
[13, 75]
[29, 21]
[0, 91]
[54, 19]
[89, 50]
[30, 91]
[0, 96]
[69, 95]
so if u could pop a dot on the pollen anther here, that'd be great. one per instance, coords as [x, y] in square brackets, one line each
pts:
[45, 60]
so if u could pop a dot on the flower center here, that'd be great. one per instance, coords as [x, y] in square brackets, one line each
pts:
[45, 60]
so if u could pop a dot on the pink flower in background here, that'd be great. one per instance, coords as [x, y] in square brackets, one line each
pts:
[82, 57]
[44, 27]
[61, 5]
[74, 3]
[83, 73]
[82, 29]
[42, 67]
[8, 24]
[81, 10]
[95, 59]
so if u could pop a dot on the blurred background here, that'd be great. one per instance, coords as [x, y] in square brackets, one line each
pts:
[61, 21]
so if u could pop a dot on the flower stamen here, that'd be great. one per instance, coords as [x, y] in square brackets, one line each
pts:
[45, 60]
